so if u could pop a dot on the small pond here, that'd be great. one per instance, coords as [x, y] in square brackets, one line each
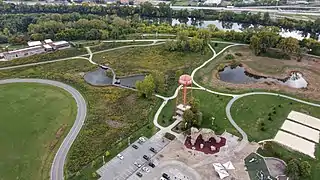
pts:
[99, 77]
[239, 75]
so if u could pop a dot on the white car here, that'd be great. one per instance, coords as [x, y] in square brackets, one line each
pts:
[146, 169]
[142, 139]
[162, 178]
[120, 156]
[137, 164]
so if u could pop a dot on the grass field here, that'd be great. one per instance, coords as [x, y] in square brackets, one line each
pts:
[210, 105]
[252, 114]
[34, 120]
[137, 60]
[272, 149]
[65, 53]
[113, 113]
[103, 46]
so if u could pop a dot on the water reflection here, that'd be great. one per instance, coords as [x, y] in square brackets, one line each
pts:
[238, 75]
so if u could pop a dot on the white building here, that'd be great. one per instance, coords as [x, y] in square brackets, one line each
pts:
[34, 43]
[60, 45]
[23, 52]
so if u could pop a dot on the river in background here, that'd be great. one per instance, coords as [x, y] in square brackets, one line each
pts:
[239, 27]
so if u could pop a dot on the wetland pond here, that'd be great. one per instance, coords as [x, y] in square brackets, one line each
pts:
[239, 75]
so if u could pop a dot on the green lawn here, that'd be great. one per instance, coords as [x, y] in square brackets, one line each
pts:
[252, 114]
[218, 46]
[211, 105]
[34, 120]
[272, 149]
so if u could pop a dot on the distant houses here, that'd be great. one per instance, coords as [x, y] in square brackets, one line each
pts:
[35, 47]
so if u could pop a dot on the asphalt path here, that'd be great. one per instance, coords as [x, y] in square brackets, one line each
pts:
[60, 157]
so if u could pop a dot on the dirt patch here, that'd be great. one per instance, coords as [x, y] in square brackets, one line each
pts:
[58, 135]
[114, 124]
[276, 167]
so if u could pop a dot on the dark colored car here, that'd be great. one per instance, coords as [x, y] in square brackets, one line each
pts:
[146, 157]
[135, 146]
[165, 176]
[139, 174]
[153, 150]
[151, 165]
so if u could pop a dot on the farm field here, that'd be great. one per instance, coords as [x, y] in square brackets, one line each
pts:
[38, 118]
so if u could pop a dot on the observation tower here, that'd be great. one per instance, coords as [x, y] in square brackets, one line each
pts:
[186, 81]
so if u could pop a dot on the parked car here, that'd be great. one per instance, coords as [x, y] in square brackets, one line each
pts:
[165, 176]
[162, 178]
[137, 164]
[135, 146]
[146, 157]
[141, 140]
[151, 165]
[120, 156]
[139, 174]
[146, 169]
[153, 150]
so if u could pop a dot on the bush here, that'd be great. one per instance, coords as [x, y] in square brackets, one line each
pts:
[107, 153]
[229, 57]
[238, 54]
[169, 136]
[270, 119]
[263, 128]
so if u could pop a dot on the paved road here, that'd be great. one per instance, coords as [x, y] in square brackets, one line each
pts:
[60, 157]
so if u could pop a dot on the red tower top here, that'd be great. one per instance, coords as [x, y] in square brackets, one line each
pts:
[185, 80]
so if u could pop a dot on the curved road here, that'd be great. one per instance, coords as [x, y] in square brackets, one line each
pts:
[60, 157]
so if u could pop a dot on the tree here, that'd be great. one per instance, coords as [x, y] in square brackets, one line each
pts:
[255, 43]
[93, 163]
[159, 81]
[146, 87]
[293, 170]
[305, 169]
[188, 116]
[289, 45]
[107, 153]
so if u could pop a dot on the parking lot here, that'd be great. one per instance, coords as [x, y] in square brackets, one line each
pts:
[121, 169]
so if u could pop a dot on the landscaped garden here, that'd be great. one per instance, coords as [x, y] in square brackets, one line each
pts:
[261, 116]
[34, 120]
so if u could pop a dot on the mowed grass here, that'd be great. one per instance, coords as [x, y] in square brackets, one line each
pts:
[211, 106]
[113, 113]
[252, 113]
[34, 120]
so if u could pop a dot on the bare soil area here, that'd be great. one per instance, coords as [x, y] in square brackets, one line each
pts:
[202, 163]
[268, 67]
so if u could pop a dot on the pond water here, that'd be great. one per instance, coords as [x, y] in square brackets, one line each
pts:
[227, 26]
[239, 75]
[99, 77]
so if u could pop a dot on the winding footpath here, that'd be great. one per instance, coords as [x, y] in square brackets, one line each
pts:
[61, 155]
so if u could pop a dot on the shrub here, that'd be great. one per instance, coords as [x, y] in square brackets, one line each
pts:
[229, 57]
[263, 128]
[169, 136]
[107, 153]
[94, 174]
[270, 119]
[238, 54]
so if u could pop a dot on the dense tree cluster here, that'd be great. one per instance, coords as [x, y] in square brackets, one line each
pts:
[193, 116]
[297, 170]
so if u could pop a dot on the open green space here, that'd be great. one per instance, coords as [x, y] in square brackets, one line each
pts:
[60, 54]
[211, 106]
[34, 120]
[261, 116]
[113, 113]
[272, 149]
[109, 45]
[213, 110]
[218, 46]
[144, 60]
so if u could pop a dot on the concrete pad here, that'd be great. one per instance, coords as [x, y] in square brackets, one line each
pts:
[305, 119]
[301, 130]
[295, 143]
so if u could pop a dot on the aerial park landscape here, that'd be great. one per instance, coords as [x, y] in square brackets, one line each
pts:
[202, 97]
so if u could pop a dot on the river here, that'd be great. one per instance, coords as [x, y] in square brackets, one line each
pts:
[227, 26]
